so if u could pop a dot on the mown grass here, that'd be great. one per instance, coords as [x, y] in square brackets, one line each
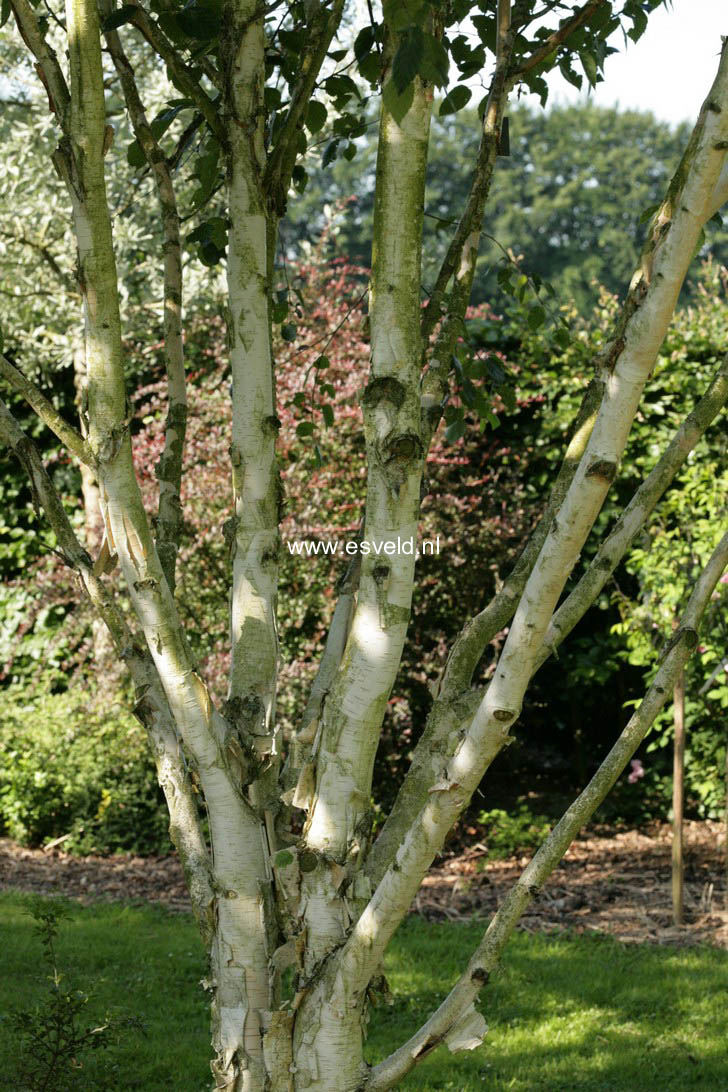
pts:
[565, 1013]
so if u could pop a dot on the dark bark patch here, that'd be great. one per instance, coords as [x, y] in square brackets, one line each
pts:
[308, 861]
[385, 388]
[606, 469]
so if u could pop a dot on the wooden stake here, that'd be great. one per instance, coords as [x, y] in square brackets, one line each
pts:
[678, 780]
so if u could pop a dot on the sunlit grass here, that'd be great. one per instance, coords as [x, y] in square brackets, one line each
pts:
[565, 1013]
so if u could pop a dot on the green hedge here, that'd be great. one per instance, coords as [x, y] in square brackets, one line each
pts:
[69, 768]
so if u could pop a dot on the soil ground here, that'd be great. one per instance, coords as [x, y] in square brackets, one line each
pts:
[616, 883]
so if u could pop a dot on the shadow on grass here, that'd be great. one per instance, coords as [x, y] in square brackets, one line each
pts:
[566, 1012]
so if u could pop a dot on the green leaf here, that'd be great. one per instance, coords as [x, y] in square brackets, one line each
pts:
[639, 20]
[341, 88]
[589, 64]
[201, 19]
[398, 16]
[536, 317]
[329, 153]
[316, 116]
[122, 15]
[292, 40]
[454, 431]
[328, 414]
[321, 363]
[364, 42]
[397, 104]
[370, 66]
[408, 58]
[435, 62]
[486, 28]
[349, 151]
[289, 331]
[283, 858]
[206, 172]
[455, 100]
[272, 98]
[279, 311]
[569, 74]
[304, 429]
[299, 178]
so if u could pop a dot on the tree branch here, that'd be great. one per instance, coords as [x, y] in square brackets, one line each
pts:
[458, 1007]
[152, 707]
[635, 515]
[47, 67]
[462, 253]
[169, 468]
[47, 412]
[631, 357]
[583, 15]
[453, 702]
[320, 32]
[180, 72]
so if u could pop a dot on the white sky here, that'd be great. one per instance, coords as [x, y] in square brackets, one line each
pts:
[670, 69]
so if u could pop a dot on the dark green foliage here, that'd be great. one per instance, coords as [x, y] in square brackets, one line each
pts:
[509, 832]
[69, 769]
[57, 1048]
[568, 198]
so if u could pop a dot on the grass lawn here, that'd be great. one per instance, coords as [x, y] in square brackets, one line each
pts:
[565, 1013]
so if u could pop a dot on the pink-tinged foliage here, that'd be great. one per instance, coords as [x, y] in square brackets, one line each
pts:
[477, 500]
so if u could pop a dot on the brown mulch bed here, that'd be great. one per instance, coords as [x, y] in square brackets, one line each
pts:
[617, 883]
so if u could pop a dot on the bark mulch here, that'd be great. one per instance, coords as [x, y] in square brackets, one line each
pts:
[616, 883]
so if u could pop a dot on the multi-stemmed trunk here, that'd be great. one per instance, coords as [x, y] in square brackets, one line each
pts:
[288, 876]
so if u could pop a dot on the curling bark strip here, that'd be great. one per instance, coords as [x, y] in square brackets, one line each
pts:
[653, 295]
[458, 1007]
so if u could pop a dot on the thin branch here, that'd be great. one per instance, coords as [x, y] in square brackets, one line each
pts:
[467, 650]
[636, 513]
[466, 236]
[47, 67]
[65, 278]
[583, 15]
[152, 707]
[169, 468]
[47, 412]
[180, 72]
[468, 230]
[458, 1007]
[280, 165]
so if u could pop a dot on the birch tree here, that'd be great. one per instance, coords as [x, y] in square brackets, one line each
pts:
[286, 875]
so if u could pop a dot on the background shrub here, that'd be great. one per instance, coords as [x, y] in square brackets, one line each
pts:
[69, 768]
